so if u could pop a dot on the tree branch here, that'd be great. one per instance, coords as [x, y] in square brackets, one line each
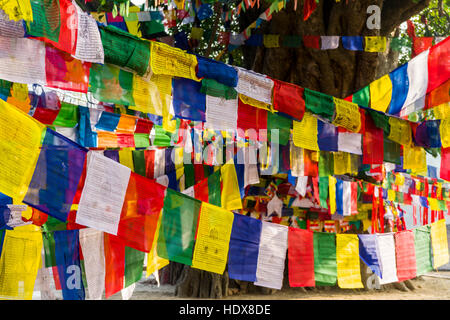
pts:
[394, 12]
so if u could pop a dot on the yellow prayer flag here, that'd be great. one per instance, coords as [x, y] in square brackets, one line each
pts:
[271, 40]
[391, 195]
[345, 163]
[434, 205]
[172, 61]
[154, 262]
[332, 193]
[230, 197]
[439, 243]
[146, 95]
[133, 25]
[347, 257]
[17, 9]
[400, 131]
[255, 103]
[19, 97]
[380, 93]
[347, 115]
[213, 238]
[375, 44]
[444, 130]
[19, 262]
[414, 158]
[305, 132]
[126, 158]
[196, 33]
[20, 141]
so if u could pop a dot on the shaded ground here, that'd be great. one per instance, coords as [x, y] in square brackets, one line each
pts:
[433, 286]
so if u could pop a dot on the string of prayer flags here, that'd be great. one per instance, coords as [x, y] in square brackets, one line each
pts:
[319, 103]
[178, 227]
[347, 257]
[405, 255]
[67, 254]
[422, 247]
[216, 89]
[272, 254]
[288, 99]
[439, 243]
[305, 132]
[92, 248]
[103, 193]
[325, 266]
[254, 85]
[301, 258]
[20, 142]
[56, 175]
[213, 236]
[368, 252]
[244, 248]
[386, 247]
[188, 102]
[171, 61]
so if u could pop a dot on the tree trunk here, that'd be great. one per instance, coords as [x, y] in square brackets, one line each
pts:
[337, 72]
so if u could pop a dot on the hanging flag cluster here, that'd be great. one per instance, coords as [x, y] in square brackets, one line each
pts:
[120, 152]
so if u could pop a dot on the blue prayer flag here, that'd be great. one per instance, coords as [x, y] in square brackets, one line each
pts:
[400, 87]
[368, 252]
[188, 102]
[327, 136]
[354, 43]
[108, 121]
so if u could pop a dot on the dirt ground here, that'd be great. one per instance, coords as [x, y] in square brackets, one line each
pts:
[433, 286]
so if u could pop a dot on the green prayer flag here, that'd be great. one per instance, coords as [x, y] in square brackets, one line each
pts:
[67, 116]
[134, 265]
[326, 164]
[5, 88]
[422, 245]
[189, 175]
[392, 151]
[214, 196]
[46, 19]
[139, 162]
[280, 123]
[325, 266]
[111, 84]
[216, 89]
[323, 191]
[381, 121]
[141, 140]
[162, 137]
[125, 50]
[291, 41]
[319, 103]
[178, 226]
[362, 97]
[49, 249]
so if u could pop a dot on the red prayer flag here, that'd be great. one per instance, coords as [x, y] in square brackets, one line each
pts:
[311, 41]
[405, 255]
[372, 143]
[114, 264]
[250, 117]
[445, 160]
[300, 258]
[308, 8]
[140, 212]
[143, 126]
[149, 156]
[439, 65]
[421, 44]
[125, 140]
[288, 99]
